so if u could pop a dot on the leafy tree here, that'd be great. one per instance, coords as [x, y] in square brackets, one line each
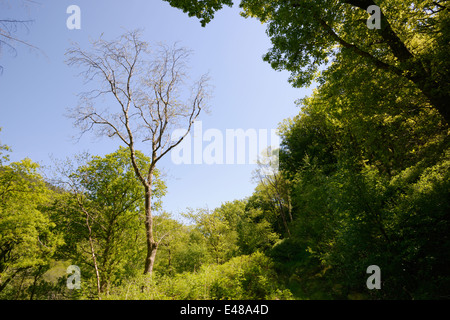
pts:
[274, 187]
[103, 212]
[202, 9]
[219, 236]
[192, 254]
[28, 238]
[255, 232]
[3, 148]
[353, 156]
[252, 228]
[230, 230]
[410, 44]
[175, 246]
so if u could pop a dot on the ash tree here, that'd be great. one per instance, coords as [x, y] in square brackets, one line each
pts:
[144, 95]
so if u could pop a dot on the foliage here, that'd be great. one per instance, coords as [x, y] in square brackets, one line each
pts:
[307, 35]
[3, 147]
[105, 205]
[202, 9]
[363, 179]
[359, 176]
[242, 277]
[216, 232]
[28, 237]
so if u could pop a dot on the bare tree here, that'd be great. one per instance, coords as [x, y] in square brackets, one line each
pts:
[9, 27]
[149, 100]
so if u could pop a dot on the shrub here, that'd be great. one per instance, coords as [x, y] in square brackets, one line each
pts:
[248, 277]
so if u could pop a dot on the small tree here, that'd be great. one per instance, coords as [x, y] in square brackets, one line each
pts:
[149, 103]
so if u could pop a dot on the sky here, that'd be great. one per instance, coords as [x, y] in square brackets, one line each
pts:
[37, 86]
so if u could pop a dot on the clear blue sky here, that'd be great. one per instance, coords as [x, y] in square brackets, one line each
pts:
[37, 86]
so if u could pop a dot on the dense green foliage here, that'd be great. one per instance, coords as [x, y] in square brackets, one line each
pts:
[242, 277]
[363, 179]
[412, 42]
[28, 237]
[366, 161]
[91, 216]
[370, 192]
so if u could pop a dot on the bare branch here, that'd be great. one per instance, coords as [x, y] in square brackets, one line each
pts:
[8, 34]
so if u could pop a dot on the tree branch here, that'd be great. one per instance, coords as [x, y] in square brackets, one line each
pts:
[378, 63]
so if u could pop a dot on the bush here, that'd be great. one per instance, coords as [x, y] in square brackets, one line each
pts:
[249, 277]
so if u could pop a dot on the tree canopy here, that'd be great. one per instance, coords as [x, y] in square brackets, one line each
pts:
[307, 35]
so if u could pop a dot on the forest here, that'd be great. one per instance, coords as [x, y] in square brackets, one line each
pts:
[363, 174]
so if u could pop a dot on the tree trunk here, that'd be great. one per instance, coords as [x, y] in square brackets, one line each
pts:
[91, 244]
[36, 277]
[152, 245]
[94, 259]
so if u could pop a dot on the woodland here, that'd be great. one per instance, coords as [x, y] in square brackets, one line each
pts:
[363, 176]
